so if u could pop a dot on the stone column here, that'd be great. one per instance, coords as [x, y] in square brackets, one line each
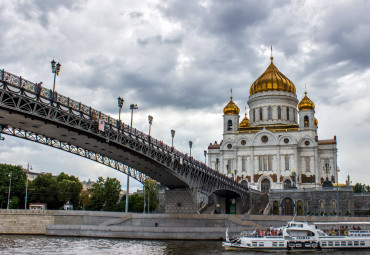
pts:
[251, 163]
[278, 170]
[317, 161]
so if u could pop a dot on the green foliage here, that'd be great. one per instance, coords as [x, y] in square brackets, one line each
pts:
[96, 200]
[104, 195]
[360, 188]
[136, 203]
[112, 189]
[56, 191]
[18, 186]
[153, 193]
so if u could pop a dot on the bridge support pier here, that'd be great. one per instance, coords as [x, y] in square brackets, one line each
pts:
[180, 201]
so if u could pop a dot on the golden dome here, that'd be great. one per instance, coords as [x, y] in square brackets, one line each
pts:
[306, 103]
[315, 121]
[231, 107]
[272, 80]
[245, 122]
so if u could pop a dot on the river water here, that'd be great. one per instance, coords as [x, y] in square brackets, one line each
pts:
[18, 244]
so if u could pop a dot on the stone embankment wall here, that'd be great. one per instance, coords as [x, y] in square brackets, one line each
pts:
[22, 222]
[142, 226]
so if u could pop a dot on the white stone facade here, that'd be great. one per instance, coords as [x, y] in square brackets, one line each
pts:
[279, 147]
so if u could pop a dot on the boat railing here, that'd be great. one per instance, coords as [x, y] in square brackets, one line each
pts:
[359, 233]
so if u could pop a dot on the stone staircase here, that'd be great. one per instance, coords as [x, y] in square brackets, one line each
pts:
[116, 221]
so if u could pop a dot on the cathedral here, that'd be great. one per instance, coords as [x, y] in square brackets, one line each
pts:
[277, 147]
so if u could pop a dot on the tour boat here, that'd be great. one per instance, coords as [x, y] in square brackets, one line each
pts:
[301, 236]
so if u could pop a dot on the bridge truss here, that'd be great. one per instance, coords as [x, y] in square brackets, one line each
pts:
[118, 146]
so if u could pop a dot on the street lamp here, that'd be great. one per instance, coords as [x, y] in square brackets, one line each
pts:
[132, 107]
[337, 192]
[120, 104]
[205, 157]
[150, 119]
[10, 184]
[55, 69]
[190, 145]
[172, 135]
[28, 170]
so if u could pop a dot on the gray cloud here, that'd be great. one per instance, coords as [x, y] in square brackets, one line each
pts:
[178, 59]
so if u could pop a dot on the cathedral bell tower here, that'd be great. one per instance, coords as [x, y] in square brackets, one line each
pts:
[307, 120]
[231, 117]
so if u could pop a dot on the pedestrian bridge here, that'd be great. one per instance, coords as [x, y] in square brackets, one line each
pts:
[34, 113]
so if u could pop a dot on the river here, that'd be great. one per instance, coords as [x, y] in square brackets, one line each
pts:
[40, 245]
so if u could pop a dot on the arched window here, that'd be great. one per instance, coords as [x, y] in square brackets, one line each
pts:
[306, 121]
[254, 115]
[287, 184]
[279, 113]
[270, 113]
[265, 185]
[294, 115]
[308, 164]
[286, 162]
[229, 125]
[299, 208]
[287, 113]
[261, 115]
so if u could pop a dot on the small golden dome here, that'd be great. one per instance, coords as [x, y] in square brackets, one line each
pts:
[306, 103]
[245, 122]
[315, 121]
[272, 80]
[231, 107]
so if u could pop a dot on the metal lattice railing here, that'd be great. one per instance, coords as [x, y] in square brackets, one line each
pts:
[34, 90]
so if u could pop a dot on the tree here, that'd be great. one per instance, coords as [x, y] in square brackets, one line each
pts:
[151, 186]
[69, 189]
[18, 186]
[359, 188]
[43, 189]
[96, 201]
[112, 189]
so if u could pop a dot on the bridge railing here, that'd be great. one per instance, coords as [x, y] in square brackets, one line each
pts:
[41, 92]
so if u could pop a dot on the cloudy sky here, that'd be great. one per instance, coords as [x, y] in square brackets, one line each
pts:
[178, 60]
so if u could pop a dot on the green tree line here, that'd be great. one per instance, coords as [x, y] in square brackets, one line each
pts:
[104, 195]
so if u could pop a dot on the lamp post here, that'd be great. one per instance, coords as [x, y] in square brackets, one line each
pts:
[172, 135]
[190, 145]
[132, 107]
[25, 202]
[217, 160]
[337, 193]
[55, 69]
[205, 157]
[10, 185]
[150, 119]
[120, 104]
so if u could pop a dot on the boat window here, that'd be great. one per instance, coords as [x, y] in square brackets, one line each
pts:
[261, 244]
[254, 243]
[330, 243]
[362, 243]
[355, 243]
[337, 243]
[324, 244]
[274, 244]
[282, 244]
[349, 243]
[343, 243]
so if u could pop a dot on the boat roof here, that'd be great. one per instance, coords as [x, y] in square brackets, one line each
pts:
[343, 223]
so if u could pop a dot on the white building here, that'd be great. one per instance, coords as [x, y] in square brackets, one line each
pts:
[278, 146]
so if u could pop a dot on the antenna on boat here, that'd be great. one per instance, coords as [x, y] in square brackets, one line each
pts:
[294, 216]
